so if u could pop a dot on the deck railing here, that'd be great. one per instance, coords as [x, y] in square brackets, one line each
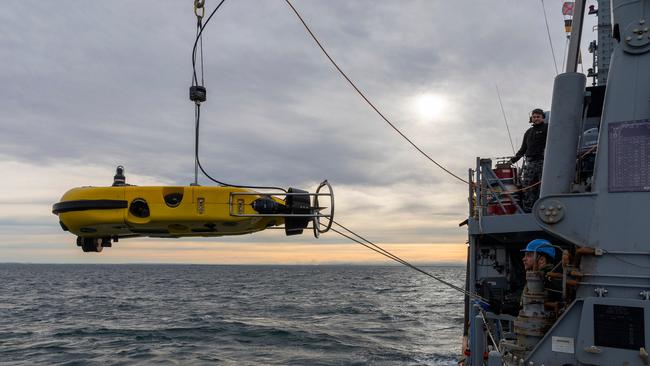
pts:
[491, 194]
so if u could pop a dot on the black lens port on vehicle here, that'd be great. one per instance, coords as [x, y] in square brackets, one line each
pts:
[173, 199]
[139, 208]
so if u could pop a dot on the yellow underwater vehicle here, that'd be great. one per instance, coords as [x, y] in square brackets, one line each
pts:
[100, 216]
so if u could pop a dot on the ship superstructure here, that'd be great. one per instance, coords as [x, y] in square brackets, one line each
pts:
[593, 307]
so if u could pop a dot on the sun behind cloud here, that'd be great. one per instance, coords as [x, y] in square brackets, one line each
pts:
[430, 107]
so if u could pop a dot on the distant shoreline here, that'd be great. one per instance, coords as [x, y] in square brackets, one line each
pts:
[440, 264]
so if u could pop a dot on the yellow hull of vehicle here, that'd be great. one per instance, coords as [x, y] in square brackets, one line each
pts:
[129, 211]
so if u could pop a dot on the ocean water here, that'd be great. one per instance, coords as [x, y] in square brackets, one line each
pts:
[228, 315]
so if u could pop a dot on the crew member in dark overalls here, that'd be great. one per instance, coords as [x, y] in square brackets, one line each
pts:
[533, 148]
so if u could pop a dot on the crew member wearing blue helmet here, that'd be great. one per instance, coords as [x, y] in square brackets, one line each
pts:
[539, 256]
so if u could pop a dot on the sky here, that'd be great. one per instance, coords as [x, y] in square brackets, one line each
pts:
[89, 86]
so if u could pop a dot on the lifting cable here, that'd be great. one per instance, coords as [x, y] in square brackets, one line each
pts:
[366, 99]
[198, 43]
[482, 302]
[198, 94]
[548, 32]
[372, 246]
[505, 119]
[199, 5]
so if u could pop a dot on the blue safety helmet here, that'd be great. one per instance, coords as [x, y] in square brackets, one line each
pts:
[540, 246]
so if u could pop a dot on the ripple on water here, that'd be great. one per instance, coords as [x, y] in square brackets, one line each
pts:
[255, 315]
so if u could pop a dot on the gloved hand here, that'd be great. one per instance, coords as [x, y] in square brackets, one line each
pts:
[513, 160]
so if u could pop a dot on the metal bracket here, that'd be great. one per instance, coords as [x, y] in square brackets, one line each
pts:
[636, 37]
[644, 355]
[551, 212]
[593, 349]
[316, 220]
[600, 291]
[310, 209]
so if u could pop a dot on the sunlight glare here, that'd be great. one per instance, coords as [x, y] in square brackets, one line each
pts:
[430, 107]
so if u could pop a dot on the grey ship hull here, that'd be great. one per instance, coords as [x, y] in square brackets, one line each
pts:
[593, 208]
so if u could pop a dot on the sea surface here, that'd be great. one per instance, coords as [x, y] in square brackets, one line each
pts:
[228, 315]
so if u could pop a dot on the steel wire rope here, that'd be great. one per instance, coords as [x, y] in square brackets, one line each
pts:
[401, 261]
[564, 53]
[505, 119]
[199, 19]
[566, 46]
[198, 37]
[489, 331]
[548, 32]
[372, 246]
[197, 110]
[366, 99]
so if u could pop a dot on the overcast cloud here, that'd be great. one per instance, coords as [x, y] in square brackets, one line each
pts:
[92, 85]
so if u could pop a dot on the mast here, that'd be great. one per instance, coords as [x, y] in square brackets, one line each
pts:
[576, 35]
[605, 44]
[597, 221]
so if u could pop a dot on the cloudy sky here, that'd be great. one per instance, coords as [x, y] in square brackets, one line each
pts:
[88, 86]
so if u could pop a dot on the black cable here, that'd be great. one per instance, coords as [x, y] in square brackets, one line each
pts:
[367, 100]
[196, 156]
[198, 36]
[197, 110]
[392, 256]
[202, 82]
